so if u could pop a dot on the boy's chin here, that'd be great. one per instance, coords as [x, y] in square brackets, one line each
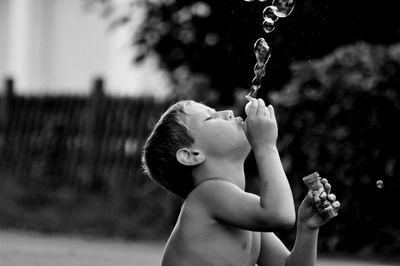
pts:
[246, 148]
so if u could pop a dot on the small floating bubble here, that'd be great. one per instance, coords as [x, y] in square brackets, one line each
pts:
[269, 13]
[379, 184]
[284, 7]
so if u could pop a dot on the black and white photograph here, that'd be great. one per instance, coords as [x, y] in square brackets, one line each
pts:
[199, 133]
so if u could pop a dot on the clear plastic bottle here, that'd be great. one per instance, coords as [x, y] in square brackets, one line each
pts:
[314, 184]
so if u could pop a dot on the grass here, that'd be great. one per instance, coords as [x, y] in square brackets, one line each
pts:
[33, 249]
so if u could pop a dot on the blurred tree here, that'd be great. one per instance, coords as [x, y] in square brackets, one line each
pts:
[337, 116]
[209, 44]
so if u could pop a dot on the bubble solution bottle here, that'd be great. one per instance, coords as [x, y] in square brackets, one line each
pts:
[314, 184]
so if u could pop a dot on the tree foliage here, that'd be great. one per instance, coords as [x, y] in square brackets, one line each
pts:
[338, 116]
[207, 45]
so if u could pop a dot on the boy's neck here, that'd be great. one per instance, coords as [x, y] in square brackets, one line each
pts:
[231, 171]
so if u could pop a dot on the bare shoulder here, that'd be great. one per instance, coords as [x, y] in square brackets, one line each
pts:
[200, 195]
[211, 192]
[213, 188]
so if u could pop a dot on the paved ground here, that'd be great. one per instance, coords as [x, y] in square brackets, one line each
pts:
[31, 249]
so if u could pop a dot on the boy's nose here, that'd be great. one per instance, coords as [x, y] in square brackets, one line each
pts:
[228, 114]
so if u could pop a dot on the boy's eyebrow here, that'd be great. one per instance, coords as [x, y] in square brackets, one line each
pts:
[209, 109]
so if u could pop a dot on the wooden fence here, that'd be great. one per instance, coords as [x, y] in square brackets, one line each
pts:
[76, 143]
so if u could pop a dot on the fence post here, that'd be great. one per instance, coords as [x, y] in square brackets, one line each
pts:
[6, 102]
[7, 105]
[94, 129]
[6, 110]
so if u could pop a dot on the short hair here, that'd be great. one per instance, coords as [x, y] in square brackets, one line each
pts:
[159, 160]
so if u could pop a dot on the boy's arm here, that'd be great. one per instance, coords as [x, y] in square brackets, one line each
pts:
[228, 203]
[309, 221]
[304, 252]
[262, 133]
[275, 189]
[274, 253]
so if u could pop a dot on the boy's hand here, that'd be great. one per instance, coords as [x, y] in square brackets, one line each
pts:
[260, 125]
[309, 217]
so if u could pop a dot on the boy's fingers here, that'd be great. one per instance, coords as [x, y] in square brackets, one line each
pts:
[332, 197]
[309, 199]
[253, 107]
[327, 187]
[271, 112]
[336, 204]
[323, 195]
[261, 108]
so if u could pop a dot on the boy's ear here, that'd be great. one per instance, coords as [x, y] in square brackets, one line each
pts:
[190, 157]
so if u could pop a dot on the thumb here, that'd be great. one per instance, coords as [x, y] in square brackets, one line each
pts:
[251, 107]
[309, 199]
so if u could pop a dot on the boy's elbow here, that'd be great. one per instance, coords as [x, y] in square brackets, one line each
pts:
[288, 222]
[285, 219]
[278, 220]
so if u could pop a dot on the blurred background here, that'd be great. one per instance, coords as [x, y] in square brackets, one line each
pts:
[84, 82]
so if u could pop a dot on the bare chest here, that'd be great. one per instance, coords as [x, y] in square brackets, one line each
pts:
[214, 244]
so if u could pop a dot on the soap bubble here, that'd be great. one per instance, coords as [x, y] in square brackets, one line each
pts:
[278, 9]
[269, 13]
[284, 7]
[262, 51]
[379, 184]
[256, 80]
[253, 91]
[259, 69]
[268, 25]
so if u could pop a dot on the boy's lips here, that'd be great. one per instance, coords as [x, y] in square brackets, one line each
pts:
[240, 121]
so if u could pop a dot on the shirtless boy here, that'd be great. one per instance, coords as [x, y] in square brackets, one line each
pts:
[198, 153]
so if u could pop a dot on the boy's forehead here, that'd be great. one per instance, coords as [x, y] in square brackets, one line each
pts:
[195, 108]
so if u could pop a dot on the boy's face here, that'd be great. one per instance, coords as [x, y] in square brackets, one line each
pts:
[216, 133]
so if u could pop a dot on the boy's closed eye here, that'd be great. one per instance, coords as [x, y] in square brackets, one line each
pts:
[211, 115]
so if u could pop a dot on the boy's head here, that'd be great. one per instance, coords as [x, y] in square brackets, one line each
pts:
[159, 153]
[186, 135]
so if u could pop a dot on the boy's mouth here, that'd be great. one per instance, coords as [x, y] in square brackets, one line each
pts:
[239, 119]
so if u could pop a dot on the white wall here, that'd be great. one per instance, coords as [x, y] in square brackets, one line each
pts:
[55, 47]
[3, 35]
[78, 49]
